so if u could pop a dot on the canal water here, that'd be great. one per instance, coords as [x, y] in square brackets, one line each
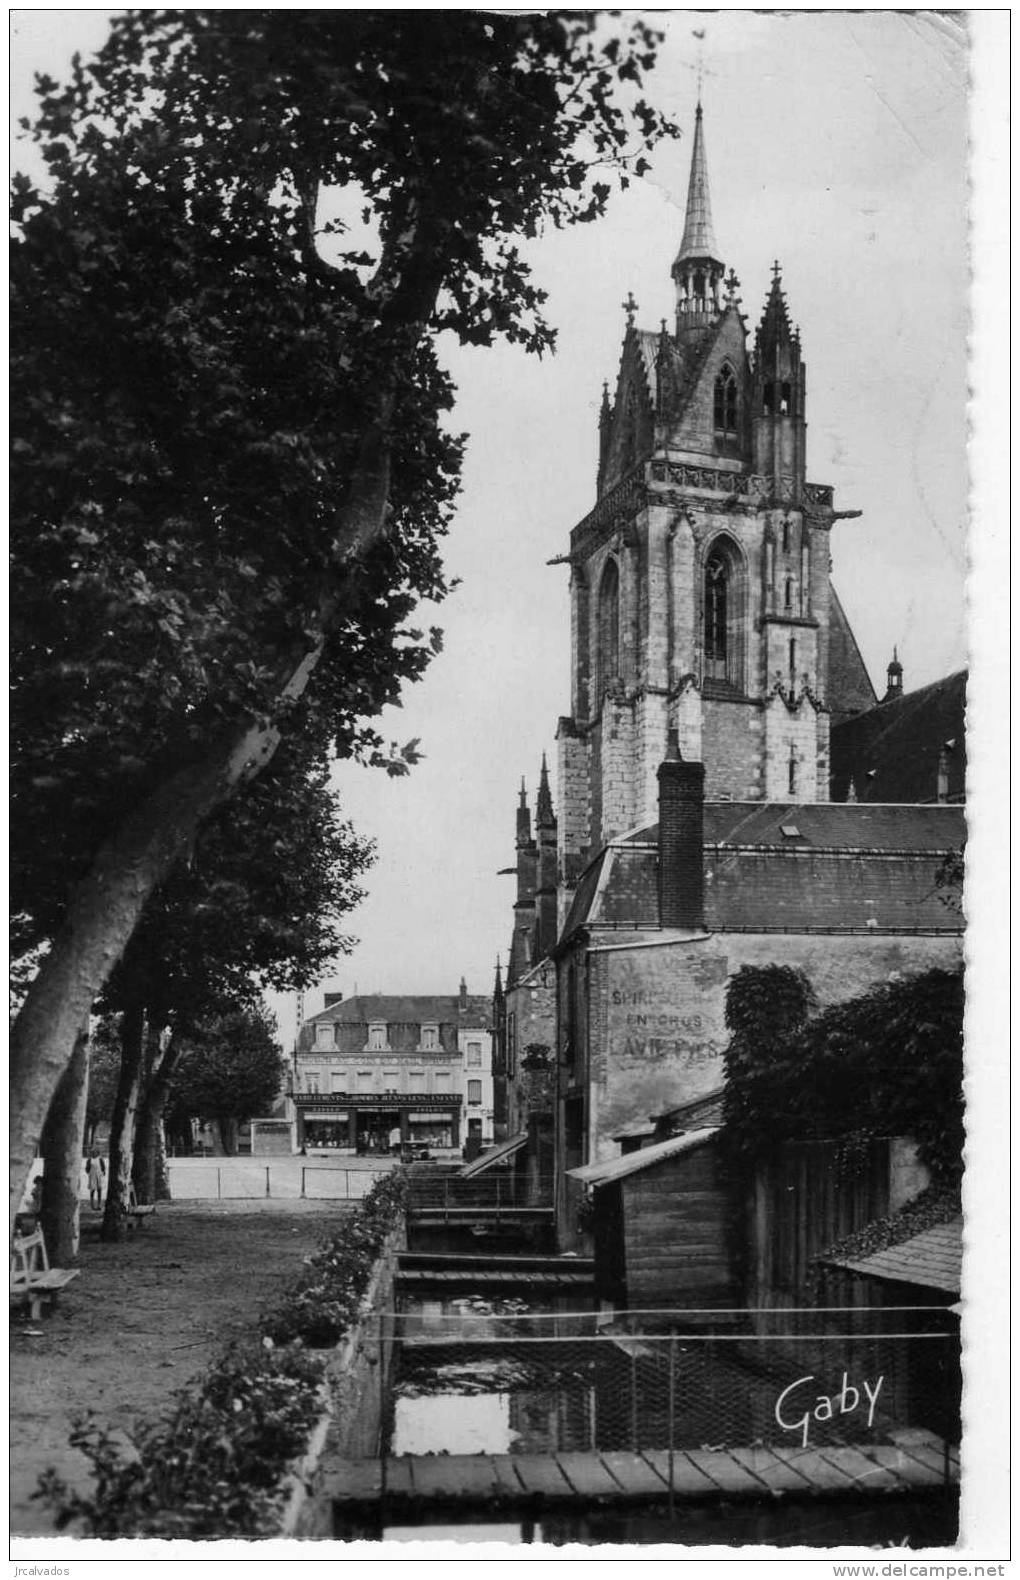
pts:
[490, 1375]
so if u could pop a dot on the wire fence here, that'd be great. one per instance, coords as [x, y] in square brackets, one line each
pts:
[449, 1195]
[231, 1179]
[570, 1382]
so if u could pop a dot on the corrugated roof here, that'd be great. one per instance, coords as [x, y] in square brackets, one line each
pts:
[699, 1112]
[932, 1259]
[637, 1127]
[500, 1154]
[636, 1162]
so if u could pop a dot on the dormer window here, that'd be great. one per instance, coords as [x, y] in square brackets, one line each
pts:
[324, 1034]
[377, 1041]
[430, 1036]
[725, 403]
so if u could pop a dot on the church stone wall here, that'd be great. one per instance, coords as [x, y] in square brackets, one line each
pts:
[651, 726]
[573, 818]
[613, 775]
[656, 1013]
[798, 729]
[732, 736]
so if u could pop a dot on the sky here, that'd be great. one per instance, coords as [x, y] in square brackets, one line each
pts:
[837, 143]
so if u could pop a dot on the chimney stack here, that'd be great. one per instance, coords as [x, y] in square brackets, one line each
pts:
[681, 840]
[331, 998]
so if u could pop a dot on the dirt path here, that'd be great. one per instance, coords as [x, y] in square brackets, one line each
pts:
[144, 1318]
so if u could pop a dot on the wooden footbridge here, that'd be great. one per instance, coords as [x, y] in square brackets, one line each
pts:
[495, 1274]
[918, 1462]
[435, 1198]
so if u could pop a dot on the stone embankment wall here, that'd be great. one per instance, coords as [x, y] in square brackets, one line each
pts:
[353, 1399]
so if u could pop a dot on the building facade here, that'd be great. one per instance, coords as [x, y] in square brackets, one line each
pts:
[712, 669]
[386, 1073]
[699, 583]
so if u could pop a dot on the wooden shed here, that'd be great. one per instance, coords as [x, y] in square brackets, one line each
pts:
[660, 1225]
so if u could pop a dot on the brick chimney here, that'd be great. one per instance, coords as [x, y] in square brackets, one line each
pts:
[331, 998]
[681, 840]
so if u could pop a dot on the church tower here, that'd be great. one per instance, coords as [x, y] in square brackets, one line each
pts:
[699, 582]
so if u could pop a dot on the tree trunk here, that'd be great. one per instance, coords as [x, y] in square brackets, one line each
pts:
[100, 921]
[62, 1145]
[149, 1170]
[107, 904]
[227, 1127]
[122, 1128]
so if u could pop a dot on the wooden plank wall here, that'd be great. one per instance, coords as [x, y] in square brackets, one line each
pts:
[675, 1232]
[803, 1201]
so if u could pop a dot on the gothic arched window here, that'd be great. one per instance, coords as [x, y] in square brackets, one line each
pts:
[724, 599]
[717, 577]
[608, 626]
[724, 405]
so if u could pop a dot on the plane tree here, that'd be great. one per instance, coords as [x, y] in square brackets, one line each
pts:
[231, 1070]
[261, 905]
[232, 457]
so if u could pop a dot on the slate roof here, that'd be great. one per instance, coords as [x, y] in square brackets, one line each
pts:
[892, 749]
[849, 685]
[408, 1010]
[932, 1259]
[777, 867]
[646, 1158]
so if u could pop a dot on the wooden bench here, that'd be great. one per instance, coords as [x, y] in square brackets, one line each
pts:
[33, 1280]
[139, 1213]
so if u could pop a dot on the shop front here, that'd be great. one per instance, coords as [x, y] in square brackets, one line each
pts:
[379, 1123]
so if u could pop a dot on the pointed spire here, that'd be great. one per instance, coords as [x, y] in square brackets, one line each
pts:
[697, 268]
[497, 991]
[698, 237]
[523, 818]
[775, 320]
[544, 806]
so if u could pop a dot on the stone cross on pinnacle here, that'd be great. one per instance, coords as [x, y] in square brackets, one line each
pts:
[630, 308]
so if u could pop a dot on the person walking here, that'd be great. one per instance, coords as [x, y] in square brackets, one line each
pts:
[97, 1178]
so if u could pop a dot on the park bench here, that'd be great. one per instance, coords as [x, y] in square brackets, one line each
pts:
[139, 1213]
[33, 1280]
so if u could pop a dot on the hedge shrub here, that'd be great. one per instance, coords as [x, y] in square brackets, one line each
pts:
[215, 1467]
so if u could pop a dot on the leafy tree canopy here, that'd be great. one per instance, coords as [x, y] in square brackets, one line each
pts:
[260, 905]
[231, 1070]
[232, 466]
[193, 380]
[887, 1063]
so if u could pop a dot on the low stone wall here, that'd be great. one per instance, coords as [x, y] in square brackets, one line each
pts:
[353, 1398]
